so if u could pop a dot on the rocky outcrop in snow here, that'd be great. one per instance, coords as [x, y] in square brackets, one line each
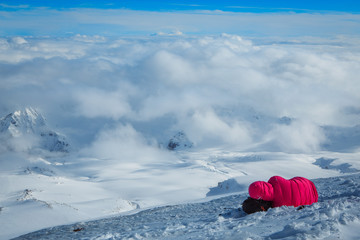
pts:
[27, 130]
[179, 141]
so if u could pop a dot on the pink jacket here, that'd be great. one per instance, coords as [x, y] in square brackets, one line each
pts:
[294, 192]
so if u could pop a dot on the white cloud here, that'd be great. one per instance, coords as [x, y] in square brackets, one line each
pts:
[172, 33]
[14, 6]
[19, 144]
[173, 69]
[218, 89]
[99, 103]
[125, 144]
[299, 136]
[19, 40]
[206, 128]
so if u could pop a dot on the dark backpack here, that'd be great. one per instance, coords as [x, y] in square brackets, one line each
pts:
[251, 205]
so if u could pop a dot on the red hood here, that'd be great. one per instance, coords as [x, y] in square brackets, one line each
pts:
[261, 190]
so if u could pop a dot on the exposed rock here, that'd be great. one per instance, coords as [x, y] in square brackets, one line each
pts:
[179, 141]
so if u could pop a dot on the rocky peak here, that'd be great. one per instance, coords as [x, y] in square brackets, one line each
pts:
[179, 141]
[21, 124]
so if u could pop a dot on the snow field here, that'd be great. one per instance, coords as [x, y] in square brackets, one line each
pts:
[72, 189]
[335, 216]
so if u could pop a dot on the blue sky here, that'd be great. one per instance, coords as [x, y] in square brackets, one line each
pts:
[225, 5]
[254, 18]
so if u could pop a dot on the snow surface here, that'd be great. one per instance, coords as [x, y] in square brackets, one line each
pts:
[335, 216]
[249, 109]
[67, 190]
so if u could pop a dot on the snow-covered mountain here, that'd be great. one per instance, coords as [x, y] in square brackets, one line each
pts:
[179, 141]
[26, 129]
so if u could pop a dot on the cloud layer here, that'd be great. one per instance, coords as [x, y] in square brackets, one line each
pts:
[219, 90]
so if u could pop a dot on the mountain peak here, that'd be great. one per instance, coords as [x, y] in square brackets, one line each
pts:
[179, 141]
[26, 123]
[20, 122]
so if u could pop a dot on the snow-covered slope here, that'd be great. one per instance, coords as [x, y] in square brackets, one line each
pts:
[335, 216]
[26, 130]
[72, 189]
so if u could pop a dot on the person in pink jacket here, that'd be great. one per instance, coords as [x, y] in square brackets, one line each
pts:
[278, 192]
